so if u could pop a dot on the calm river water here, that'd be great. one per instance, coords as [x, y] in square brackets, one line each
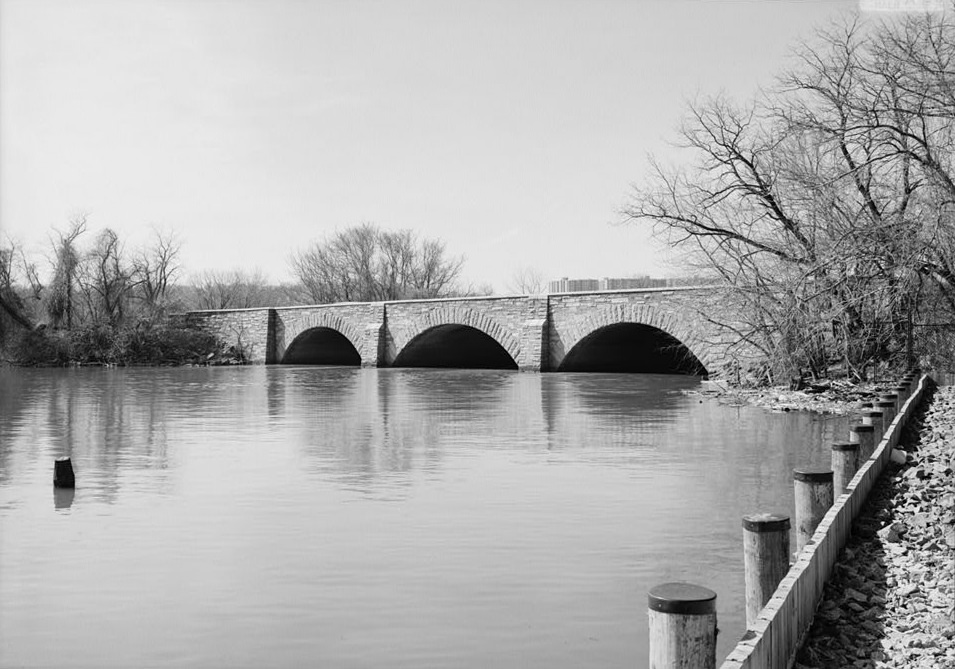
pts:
[339, 517]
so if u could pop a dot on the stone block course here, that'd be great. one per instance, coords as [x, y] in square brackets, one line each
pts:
[249, 330]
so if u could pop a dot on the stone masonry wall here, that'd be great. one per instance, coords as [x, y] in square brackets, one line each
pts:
[537, 331]
[361, 323]
[246, 329]
[677, 311]
[516, 323]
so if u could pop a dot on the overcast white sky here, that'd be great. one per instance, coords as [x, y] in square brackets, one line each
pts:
[512, 130]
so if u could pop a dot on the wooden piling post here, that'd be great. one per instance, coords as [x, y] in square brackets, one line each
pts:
[875, 419]
[813, 491]
[887, 408]
[895, 398]
[682, 626]
[864, 435]
[846, 456]
[63, 476]
[765, 559]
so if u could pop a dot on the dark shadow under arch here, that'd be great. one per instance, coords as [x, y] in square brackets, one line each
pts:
[321, 346]
[459, 346]
[631, 348]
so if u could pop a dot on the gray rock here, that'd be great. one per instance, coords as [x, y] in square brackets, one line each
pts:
[891, 599]
[892, 533]
[907, 589]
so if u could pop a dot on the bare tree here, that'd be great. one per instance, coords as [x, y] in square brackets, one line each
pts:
[234, 289]
[106, 280]
[527, 281]
[366, 264]
[825, 206]
[23, 273]
[62, 304]
[11, 303]
[155, 268]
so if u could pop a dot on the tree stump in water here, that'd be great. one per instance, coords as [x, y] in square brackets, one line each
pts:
[63, 473]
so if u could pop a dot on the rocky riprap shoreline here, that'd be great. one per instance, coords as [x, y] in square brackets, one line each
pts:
[890, 601]
[835, 397]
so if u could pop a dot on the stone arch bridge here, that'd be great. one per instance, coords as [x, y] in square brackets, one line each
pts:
[649, 330]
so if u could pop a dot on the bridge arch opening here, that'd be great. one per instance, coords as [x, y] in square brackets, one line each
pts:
[321, 346]
[457, 346]
[632, 348]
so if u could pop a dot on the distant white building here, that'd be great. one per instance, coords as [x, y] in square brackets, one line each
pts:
[565, 285]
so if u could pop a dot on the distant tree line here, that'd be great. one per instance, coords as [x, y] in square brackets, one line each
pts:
[99, 302]
[826, 206]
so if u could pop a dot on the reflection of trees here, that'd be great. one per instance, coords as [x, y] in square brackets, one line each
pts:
[373, 428]
[333, 412]
[115, 421]
[406, 439]
[366, 425]
[275, 393]
[107, 420]
[17, 398]
[491, 408]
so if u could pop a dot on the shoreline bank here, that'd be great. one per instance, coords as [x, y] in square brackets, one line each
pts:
[835, 397]
[890, 601]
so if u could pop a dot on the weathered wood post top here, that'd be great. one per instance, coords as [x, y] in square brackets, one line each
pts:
[864, 435]
[813, 490]
[682, 626]
[765, 559]
[845, 463]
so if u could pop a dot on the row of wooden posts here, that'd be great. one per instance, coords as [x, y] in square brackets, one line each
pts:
[683, 616]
